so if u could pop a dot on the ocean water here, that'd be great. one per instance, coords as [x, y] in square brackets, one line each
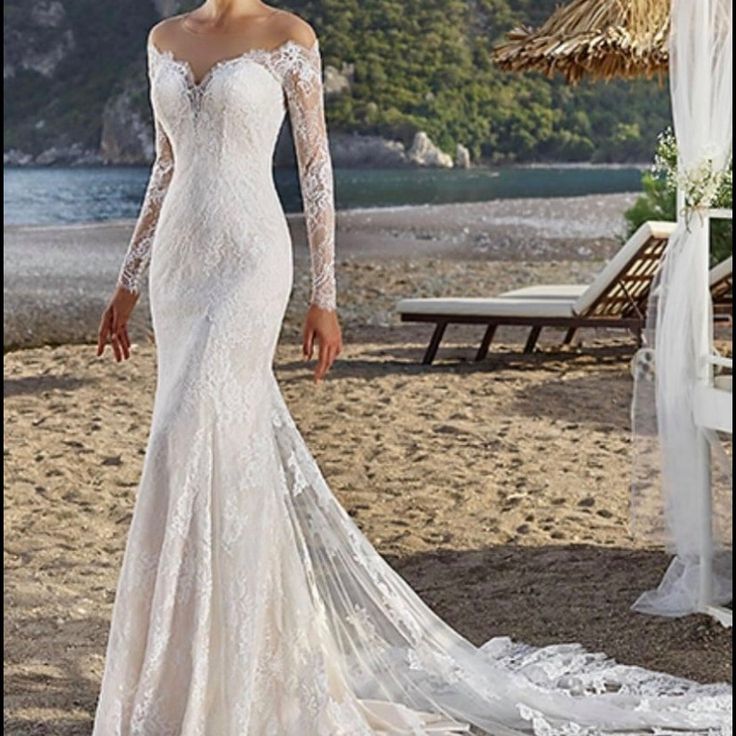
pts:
[46, 196]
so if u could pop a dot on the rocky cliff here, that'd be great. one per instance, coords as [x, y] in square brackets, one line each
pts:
[407, 82]
[39, 44]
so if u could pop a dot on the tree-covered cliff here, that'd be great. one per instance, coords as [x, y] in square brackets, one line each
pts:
[75, 81]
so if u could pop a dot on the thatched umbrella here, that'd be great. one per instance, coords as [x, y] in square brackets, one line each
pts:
[600, 38]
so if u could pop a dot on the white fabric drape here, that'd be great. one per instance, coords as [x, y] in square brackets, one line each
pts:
[671, 451]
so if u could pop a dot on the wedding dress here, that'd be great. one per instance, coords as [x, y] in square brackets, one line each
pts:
[249, 603]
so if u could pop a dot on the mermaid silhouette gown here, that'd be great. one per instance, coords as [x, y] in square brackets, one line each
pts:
[249, 603]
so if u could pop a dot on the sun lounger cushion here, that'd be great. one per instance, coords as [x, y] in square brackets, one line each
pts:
[574, 291]
[549, 308]
[569, 292]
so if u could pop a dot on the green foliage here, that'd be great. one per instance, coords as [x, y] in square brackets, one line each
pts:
[658, 200]
[425, 65]
[418, 65]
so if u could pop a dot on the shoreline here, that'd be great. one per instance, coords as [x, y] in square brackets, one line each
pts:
[58, 277]
[347, 212]
[479, 166]
[297, 217]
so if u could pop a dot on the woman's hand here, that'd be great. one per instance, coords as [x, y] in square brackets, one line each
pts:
[322, 324]
[114, 324]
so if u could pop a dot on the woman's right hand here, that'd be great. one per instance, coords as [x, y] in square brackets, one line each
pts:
[114, 324]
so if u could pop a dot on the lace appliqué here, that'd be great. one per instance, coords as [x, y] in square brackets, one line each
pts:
[299, 71]
[139, 250]
[303, 86]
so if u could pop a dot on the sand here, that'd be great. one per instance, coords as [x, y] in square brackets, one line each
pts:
[499, 490]
[57, 279]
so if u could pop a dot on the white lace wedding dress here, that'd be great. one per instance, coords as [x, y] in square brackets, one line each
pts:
[249, 603]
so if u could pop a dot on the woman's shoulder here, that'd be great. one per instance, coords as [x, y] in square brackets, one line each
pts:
[160, 34]
[289, 27]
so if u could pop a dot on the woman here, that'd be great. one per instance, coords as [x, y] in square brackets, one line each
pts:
[249, 604]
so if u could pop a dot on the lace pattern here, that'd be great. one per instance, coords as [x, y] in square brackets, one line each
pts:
[303, 85]
[139, 250]
[299, 71]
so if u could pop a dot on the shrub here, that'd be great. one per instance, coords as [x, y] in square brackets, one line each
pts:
[659, 198]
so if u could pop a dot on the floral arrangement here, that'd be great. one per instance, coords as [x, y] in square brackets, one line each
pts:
[703, 186]
[704, 189]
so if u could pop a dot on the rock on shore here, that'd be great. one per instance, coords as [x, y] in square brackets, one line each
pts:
[424, 152]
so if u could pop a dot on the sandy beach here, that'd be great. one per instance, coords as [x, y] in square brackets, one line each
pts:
[57, 279]
[499, 490]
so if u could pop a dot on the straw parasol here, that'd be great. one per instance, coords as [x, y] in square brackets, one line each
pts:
[600, 38]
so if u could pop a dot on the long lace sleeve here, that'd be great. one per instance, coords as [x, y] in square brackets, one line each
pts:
[304, 94]
[139, 249]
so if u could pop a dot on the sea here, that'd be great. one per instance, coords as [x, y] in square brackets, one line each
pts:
[59, 195]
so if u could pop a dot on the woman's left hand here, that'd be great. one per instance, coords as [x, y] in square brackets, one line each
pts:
[322, 325]
[114, 324]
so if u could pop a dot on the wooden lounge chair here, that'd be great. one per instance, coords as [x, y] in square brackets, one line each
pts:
[616, 299]
[721, 288]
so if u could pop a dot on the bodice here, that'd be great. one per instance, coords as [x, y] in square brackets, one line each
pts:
[231, 117]
[219, 133]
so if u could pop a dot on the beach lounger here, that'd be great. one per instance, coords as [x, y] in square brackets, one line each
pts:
[721, 288]
[616, 299]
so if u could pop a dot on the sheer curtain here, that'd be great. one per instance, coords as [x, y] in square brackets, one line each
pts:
[671, 452]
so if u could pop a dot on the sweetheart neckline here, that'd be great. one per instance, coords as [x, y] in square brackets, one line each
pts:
[248, 53]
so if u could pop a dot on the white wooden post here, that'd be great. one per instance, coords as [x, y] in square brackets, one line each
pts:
[713, 411]
[704, 337]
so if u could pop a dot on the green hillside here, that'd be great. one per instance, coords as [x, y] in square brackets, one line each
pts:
[67, 107]
[417, 65]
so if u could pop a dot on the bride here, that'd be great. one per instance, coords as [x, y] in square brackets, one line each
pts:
[249, 604]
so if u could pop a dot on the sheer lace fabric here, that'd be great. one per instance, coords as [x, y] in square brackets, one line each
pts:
[299, 72]
[139, 251]
[249, 603]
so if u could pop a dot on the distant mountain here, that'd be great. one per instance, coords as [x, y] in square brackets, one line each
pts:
[75, 85]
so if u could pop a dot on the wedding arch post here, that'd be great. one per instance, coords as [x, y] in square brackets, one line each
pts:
[688, 404]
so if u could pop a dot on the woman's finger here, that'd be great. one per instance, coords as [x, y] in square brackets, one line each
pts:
[328, 355]
[308, 344]
[123, 343]
[126, 338]
[103, 333]
[116, 347]
[331, 357]
[321, 369]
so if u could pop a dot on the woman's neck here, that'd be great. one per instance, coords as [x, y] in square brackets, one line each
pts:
[217, 11]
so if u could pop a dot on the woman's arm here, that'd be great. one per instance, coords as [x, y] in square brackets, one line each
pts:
[114, 321]
[304, 94]
[139, 250]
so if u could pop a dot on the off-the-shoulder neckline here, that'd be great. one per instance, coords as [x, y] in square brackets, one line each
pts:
[248, 53]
